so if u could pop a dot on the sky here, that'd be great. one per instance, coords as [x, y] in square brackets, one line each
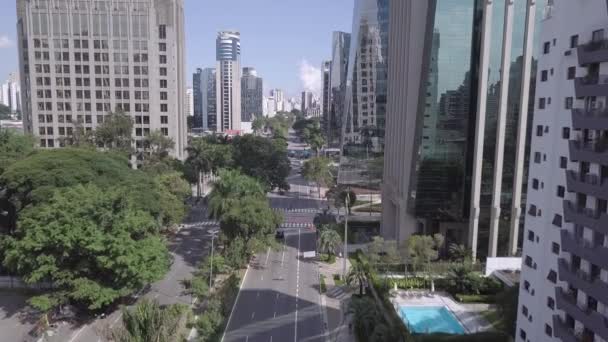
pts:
[285, 40]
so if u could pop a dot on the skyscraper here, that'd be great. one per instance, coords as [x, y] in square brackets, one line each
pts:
[456, 131]
[209, 95]
[10, 93]
[279, 98]
[197, 98]
[326, 91]
[80, 60]
[189, 102]
[563, 292]
[337, 84]
[303, 104]
[228, 76]
[252, 95]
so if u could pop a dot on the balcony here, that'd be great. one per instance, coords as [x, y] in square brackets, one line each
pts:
[592, 252]
[594, 118]
[596, 85]
[593, 52]
[587, 184]
[582, 280]
[591, 319]
[589, 218]
[562, 331]
[590, 151]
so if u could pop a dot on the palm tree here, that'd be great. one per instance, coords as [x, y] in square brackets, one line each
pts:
[230, 186]
[460, 276]
[199, 160]
[329, 240]
[365, 315]
[459, 252]
[149, 322]
[359, 271]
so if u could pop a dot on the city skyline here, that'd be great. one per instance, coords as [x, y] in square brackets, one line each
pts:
[261, 38]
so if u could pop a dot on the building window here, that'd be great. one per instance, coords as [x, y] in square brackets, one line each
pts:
[551, 303]
[162, 31]
[164, 119]
[162, 59]
[531, 235]
[557, 220]
[566, 132]
[561, 191]
[163, 71]
[522, 334]
[535, 184]
[555, 248]
[574, 41]
[546, 47]
[568, 102]
[537, 157]
[541, 102]
[524, 310]
[163, 83]
[539, 131]
[548, 330]
[163, 95]
[544, 76]
[552, 276]
[163, 107]
[165, 131]
[571, 73]
[563, 162]
[529, 262]
[162, 46]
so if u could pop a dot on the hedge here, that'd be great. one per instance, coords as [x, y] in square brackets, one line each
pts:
[478, 337]
[473, 298]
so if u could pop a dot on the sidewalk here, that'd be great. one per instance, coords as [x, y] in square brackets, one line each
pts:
[335, 301]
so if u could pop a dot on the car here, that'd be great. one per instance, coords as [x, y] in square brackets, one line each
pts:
[279, 235]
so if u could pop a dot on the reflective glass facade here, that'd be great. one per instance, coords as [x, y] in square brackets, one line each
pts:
[365, 99]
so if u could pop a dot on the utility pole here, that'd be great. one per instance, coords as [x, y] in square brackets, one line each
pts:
[212, 233]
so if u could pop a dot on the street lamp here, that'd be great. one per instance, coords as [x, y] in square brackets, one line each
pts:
[346, 201]
[213, 233]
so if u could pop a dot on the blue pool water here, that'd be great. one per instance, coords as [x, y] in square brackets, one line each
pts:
[426, 320]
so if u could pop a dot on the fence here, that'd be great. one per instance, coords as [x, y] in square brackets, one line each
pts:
[8, 282]
[434, 268]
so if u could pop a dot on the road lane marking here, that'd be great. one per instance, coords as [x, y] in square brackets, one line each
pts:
[257, 295]
[270, 338]
[234, 304]
[77, 333]
[275, 315]
[252, 315]
[262, 277]
[283, 255]
[267, 255]
[247, 339]
[295, 337]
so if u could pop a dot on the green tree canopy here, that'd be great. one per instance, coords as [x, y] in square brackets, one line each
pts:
[229, 187]
[115, 132]
[148, 321]
[317, 170]
[422, 249]
[14, 146]
[94, 252]
[329, 241]
[262, 159]
[250, 218]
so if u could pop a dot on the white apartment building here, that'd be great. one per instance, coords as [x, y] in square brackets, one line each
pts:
[10, 93]
[189, 102]
[564, 281]
[228, 80]
[80, 60]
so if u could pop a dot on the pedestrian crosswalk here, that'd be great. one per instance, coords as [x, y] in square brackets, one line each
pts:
[297, 210]
[296, 225]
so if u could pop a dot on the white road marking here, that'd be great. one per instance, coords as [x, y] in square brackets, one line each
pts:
[77, 333]
[234, 305]
[295, 337]
[267, 255]
[257, 295]
[262, 277]
[283, 255]
[275, 315]
[252, 315]
[247, 339]
[270, 338]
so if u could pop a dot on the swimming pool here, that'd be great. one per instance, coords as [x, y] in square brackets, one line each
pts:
[430, 319]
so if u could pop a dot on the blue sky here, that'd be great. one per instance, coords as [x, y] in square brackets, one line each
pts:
[277, 36]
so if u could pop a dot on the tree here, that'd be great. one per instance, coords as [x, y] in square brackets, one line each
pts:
[115, 132]
[263, 159]
[460, 253]
[228, 188]
[14, 146]
[365, 316]
[337, 195]
[507, 303]
[148, 322]
[258, 124]
[80, 137]
[422, 249]
[250, 218]
[207, 155]
[159, 146]
[329, 241]
[317, 170]
[359, 271]
[44, 304]
[94, 252]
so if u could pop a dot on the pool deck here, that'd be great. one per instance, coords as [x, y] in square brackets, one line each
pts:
[467, 314]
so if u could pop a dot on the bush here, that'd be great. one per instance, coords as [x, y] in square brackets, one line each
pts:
[478, 337]
[322, 286]
[491, 286]
[472, 298]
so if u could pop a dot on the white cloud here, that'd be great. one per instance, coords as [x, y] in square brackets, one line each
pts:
[5, 42]
[310, 77]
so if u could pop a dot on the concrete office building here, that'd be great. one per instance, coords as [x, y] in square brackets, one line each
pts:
[228, 85]
[340, 48]
[10, 93]
[80, 60]
[326, 93]
[456, 120]
[279, 97]
[303, 103]
[564, 281]
[208, 88]
[252, 94]
[197, 98]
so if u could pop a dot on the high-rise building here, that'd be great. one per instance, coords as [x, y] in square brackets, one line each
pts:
[563, 293]
[252, 94]
[456, 130]
[271, 106]
[279, 98]
[303, 103]
[326, 91]
[189, 102]
[197, 98]
[228, 85]
[208, 88]
[10, 93]
[80, 60]
[340, 48]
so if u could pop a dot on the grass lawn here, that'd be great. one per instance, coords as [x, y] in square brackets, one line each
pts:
[338, 280]
[327, 258]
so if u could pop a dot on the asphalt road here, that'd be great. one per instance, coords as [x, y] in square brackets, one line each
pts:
[279, 299]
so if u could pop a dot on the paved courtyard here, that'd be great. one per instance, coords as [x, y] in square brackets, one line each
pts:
[467, 314]
[16, 321]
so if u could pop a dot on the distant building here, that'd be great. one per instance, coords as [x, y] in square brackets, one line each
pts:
[303, 102]
[228, 85]
[10, 94]
[197, 98]
[208, 88]
[270, 106]
[94, 72]
[252, 95]
[337, 79]
[279, 97]
[189, 102]
[326, 88]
